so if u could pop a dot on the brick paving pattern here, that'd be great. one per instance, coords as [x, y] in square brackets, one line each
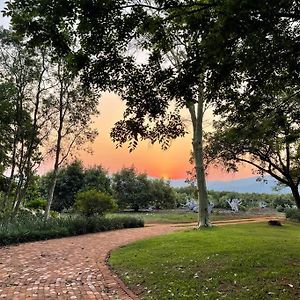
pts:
[68, 268]
[73, 267]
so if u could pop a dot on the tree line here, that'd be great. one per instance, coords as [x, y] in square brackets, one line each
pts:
[129, 188]
[240, 58]
[219, 199]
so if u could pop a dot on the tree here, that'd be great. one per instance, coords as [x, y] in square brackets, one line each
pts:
[104, 36]
[69, 182]
[268, 139]
[92, 202]
[97, 178]
[178, 40]
[258, 89]
[131, 189]
[162, 194]
[6, 93]
[72, 179]
[72, 108]
[23, 94]
[173, 32]
[46, 99]
[194, 50]
[177, 75]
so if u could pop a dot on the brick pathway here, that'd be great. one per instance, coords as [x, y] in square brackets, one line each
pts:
[74, 267]
[68, 268]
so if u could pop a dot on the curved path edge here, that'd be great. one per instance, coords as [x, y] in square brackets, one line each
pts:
[75, 267]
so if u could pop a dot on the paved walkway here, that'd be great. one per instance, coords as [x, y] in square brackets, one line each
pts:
[71, 268]
[68, 268]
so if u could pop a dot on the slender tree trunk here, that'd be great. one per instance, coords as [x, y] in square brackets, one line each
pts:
[55, 173]
[11, 176]
[13, 159]
[51, 194]
[57, 162]
[33, 144]
[197, 121]
[136, 208]
[19, 138]
[17, 198]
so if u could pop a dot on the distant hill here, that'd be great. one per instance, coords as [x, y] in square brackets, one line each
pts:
[245, 185]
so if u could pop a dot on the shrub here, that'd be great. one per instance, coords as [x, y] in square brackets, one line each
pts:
[280, 208]
[242, 208]
[283, 202]
[27, 214]
[38, 203]
[92, 202]
[293, 214]
[54, 214]
[221, 202]
[33, 228]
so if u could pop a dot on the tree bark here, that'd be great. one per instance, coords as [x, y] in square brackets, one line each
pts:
[51, 194]
[17, 198]
[197, 121]
[296, 195]
[15, 147]
[11, 177]
[55, 170]
[57, 162]
[34, 132]
[203, 216]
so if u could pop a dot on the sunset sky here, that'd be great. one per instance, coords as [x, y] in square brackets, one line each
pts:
[172, 163]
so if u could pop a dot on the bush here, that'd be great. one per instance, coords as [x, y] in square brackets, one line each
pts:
[283, 202]
[92, 202]
[280, 208]
[26, 214]
[242, 208]
[293, 214]
[38, 203]
[33, 228]
[54, 214]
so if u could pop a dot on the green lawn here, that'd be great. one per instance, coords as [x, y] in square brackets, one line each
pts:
[169, 216]
[184, 216]
[251, 261]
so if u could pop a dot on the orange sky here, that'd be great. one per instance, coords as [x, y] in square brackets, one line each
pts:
[172, 163]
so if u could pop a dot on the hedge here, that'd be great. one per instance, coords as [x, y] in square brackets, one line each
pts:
[35, 229]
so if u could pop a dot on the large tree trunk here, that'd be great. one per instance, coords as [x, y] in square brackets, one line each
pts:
[296, 195]
[197, 121]
[203, 216]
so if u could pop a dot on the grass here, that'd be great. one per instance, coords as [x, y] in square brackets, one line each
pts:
[249, 261]
[186, 216]
[162, 216]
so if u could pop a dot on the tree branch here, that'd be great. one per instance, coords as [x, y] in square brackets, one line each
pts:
[269, 170]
